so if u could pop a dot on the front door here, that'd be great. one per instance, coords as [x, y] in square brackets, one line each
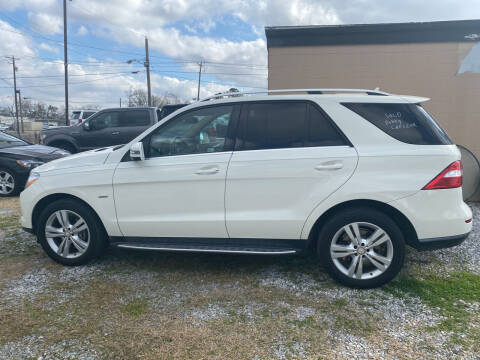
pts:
[105, 130]
[178, 190]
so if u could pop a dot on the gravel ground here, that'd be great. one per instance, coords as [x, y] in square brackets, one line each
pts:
[149, 306]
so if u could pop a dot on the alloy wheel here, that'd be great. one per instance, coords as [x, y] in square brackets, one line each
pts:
[361, 250]
[67, 234]
[7, 183]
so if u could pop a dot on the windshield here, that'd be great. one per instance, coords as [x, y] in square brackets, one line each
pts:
[7, 141]
[76, 115]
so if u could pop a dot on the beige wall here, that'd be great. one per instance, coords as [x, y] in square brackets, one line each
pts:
[428, 70]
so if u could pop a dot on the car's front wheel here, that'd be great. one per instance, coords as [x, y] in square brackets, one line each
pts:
[9, 185]
[70, 233]
[361, 247]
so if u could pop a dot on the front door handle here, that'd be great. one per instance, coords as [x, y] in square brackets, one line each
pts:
[207, 171]
[116, 133]
[330, 166]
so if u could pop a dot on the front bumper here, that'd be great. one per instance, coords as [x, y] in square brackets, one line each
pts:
[439, 242]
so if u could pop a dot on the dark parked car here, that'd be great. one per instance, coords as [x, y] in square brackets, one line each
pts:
[17, 158]
[168, 109]
[107, 127]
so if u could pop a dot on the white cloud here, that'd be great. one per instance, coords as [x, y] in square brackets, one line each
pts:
[45, 23]
[47, 47]
[82, 30]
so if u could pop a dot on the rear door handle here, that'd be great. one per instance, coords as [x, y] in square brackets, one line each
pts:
[331, 166]
[116, 133]
[207, 171]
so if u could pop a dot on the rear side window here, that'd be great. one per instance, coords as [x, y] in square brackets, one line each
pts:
[321, 131]
[278, 125]
[408, 123]
[134, 118]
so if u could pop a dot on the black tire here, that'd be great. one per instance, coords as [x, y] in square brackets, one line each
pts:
[361, 215]
[97, 243]
[65, 146]
[17, 186]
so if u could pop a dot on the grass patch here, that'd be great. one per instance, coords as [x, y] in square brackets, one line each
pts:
[450, 295]
[136, 307]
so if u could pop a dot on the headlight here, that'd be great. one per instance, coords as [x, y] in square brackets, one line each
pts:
[34, 176]
[29, 164]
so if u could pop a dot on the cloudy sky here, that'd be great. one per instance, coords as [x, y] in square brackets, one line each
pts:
[228, 36]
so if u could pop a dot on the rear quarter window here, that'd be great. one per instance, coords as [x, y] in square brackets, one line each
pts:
[408, 123]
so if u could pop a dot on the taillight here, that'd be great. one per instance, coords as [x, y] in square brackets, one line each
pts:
[449, 178]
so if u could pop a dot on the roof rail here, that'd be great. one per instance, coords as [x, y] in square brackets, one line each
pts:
[308, 91]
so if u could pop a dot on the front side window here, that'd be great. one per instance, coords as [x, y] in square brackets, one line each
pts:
[105, 120]
[409, 123]
[134, 118]
[195, 132]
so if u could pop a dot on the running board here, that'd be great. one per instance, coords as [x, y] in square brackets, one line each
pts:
[212, 245]
[210, 249]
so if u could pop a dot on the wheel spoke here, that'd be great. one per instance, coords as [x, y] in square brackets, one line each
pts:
[353, 265]
[378, 261]
[353, 233]
[339, 251]
[79, 244]
[61, 246]
[378, 241]
[79, 226]
[359, 272]
[51, 232]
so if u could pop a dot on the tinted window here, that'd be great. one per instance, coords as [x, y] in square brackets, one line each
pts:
[86, 115]
[321, 131]
[408, 123]
[273, 126]
[286, 125]
[105, 120]
[134, 118]
[195, 132]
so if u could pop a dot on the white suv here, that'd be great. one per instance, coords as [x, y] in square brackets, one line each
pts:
[353, 175]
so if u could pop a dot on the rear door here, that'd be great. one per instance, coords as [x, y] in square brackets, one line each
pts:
[289, 156]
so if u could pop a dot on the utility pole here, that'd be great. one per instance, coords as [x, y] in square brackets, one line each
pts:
[15, 93]
[65, 58]
[120, 102]
[199, 77]
[147, 65]
[20, 105]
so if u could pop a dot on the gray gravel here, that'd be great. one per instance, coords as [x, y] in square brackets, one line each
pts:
[402, 319]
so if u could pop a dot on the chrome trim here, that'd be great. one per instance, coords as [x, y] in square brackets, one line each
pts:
[282, 252]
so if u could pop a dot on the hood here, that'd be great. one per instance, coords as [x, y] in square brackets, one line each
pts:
[35, 151]
[88, 158]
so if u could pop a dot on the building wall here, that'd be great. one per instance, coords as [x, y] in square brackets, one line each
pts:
[426, 69]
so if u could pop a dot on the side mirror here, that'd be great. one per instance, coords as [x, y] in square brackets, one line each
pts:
[136, 151]
[86, 125]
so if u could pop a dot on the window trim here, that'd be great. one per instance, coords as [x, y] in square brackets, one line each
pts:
[244, 114]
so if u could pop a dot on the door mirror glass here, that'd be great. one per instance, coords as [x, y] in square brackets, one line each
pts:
[86, 126]
[136, 151]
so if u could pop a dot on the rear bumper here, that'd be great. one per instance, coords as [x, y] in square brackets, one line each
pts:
[439, 242]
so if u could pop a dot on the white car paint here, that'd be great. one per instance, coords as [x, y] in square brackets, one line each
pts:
[275, 194]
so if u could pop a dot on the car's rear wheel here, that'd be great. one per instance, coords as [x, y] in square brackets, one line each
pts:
[361, 248]
[70, 233]
[8, 183]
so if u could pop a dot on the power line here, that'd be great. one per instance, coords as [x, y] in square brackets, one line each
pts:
[53, 76]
